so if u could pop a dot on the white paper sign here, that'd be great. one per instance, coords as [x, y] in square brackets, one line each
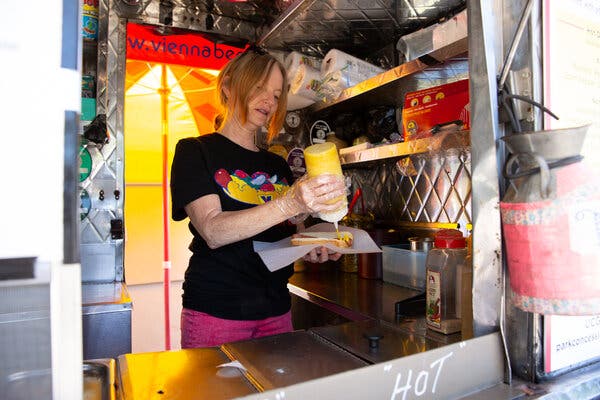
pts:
[572, 68]
[280, 254]
[572, 91]
[570, 340]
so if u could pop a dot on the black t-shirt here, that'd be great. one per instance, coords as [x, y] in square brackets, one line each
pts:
[231, 281]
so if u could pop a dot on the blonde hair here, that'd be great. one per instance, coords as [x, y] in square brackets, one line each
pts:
[241, 76]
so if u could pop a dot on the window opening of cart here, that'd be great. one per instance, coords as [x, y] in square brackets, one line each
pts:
[170, 82]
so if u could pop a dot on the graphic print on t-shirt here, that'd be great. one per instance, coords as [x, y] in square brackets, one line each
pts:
[257, 188]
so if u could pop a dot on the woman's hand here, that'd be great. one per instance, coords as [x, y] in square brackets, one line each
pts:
[320, 254]
[310, 195]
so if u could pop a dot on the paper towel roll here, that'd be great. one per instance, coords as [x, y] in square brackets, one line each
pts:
[294, 59]
[296, 102]
[353, 69]
[306, 82]
[333, 84]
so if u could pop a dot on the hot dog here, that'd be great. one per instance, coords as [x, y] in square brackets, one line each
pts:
[343, 239]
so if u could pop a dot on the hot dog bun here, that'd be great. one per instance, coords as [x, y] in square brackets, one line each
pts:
[344, 239]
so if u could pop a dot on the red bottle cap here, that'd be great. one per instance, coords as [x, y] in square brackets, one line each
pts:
[450, 239]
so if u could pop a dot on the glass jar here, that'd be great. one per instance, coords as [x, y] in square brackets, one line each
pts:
[349, 262]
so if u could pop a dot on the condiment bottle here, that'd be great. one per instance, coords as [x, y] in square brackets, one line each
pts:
[442, 311]
[323, 158]
[339, 143]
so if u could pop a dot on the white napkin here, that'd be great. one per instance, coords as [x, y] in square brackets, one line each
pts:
[280, 254]
[232, 364]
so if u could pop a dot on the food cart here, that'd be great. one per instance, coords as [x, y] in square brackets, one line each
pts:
[358, 337]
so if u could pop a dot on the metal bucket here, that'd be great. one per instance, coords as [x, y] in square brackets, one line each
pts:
[550, 225]
[535, 158]
[550, 144]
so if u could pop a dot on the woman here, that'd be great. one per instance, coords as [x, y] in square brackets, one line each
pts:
[235, 193]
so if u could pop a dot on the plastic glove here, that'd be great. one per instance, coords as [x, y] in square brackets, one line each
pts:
[310, 195]
[298, 219]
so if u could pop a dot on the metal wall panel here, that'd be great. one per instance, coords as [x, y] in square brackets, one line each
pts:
[484, 46]
[435, 188]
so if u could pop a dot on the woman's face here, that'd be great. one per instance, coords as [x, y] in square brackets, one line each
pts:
[263, 103]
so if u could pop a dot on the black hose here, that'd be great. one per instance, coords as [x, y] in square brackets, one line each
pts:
[534, 170]
[513, 119]
[532, 102]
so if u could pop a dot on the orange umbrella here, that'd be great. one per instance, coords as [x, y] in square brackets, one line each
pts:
[170, 102]
[187, 87]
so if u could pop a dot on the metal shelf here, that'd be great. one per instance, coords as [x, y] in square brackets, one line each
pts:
[434, 143]
[382, 89]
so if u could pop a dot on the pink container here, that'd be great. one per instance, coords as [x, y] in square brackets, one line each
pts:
[553, 247]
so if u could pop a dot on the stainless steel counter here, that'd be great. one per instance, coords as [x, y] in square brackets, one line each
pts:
[356, 298]
[290, 358]
[106, 320]
[376, 341]
[360, 299]
[370, 307]
[297, 364]
[98, 382]
[183, 374]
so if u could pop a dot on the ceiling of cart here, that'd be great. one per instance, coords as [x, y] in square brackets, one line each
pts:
[359, 27]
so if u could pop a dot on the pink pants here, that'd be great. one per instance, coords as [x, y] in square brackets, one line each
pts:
[199, 329]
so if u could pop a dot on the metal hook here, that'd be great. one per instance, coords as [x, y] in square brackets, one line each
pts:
[543, 169]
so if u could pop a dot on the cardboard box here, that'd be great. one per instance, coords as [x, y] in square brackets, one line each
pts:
[426, 111]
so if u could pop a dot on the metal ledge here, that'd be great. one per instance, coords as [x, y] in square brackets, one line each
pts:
[431, 144]
[328, 305]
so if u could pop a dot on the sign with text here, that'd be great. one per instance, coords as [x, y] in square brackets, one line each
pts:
[447, 372]
[571, 71]
[570, 340]
[144, 42]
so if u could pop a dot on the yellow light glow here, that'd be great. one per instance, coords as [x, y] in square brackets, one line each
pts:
[191, 111]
